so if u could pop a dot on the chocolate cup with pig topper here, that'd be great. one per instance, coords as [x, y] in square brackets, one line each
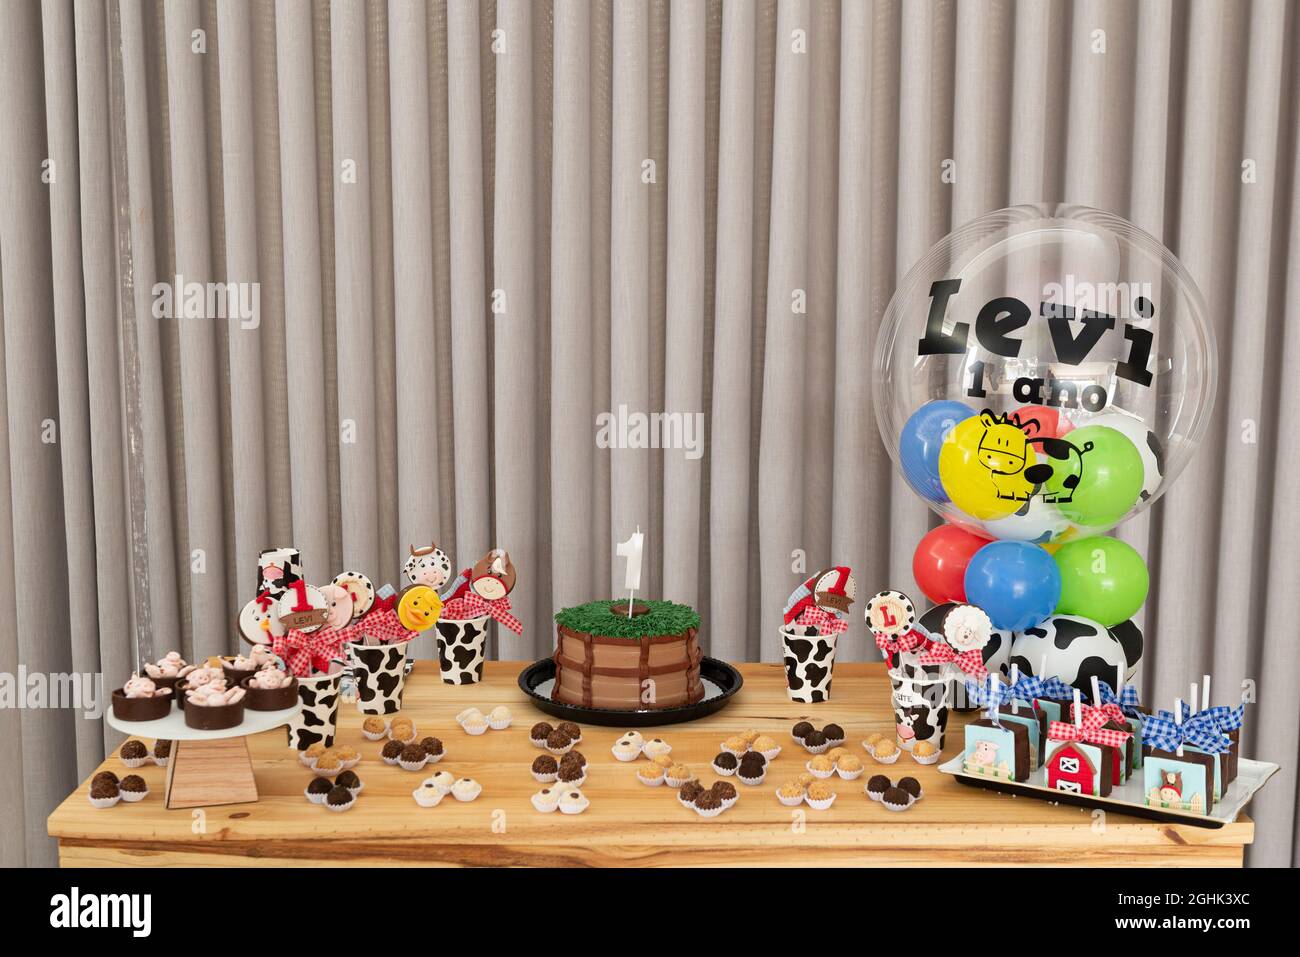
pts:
[478, 594]
[141, 699]
[811, 625]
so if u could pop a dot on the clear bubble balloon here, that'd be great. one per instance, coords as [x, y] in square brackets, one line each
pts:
[1080, 347]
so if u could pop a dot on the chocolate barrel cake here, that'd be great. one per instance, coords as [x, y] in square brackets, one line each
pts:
[605, 659]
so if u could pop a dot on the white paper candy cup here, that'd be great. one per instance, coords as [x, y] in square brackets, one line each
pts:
[752, 782]
[414, 765]
[130, 797]
[103, 803]
[427, 797]
[709, 812]
[545, 778]
[849, 775]
[789, 801]
[342, 807]
[822, 804]
[314, 798]
[542, 806]
[818, 774]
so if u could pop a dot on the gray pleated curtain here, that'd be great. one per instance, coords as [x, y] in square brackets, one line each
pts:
[473, 227]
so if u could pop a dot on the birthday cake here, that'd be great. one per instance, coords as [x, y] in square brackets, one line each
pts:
[606, 658]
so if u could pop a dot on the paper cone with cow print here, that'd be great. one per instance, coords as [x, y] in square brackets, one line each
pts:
[318, 719]
[380, 674]
[809, 662]
[921, 704]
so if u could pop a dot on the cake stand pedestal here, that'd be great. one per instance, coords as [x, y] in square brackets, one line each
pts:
[207, 768]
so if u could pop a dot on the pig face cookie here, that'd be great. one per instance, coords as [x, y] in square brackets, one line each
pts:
[360, 588]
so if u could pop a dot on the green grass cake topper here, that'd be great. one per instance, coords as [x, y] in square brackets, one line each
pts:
[595, 618]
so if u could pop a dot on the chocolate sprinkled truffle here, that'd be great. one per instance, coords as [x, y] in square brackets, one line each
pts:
[814, 739]
[103, 789]
[348, 779]
[393, 750]
[708, 800]
[575, 758]
[690, 791]
[339, 795]
[725, 790]
[541, 731]
[833, 732]
[134, 750]
[162, 748]
[801, 729]
[134, 783]
[878, 784]
[103, 776]
[545, 764]
[412, 753]
[320, 786]
[432, 747]
[911, 785]
[726, 760]
[572, 730]
[557, 740]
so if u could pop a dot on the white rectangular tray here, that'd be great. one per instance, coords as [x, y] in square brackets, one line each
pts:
[1128, 798]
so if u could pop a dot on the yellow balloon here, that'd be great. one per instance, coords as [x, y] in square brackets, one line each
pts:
[418, 607]
[982, 463]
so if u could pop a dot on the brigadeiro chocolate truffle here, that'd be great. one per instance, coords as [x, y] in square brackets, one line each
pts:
[725, 762]
[411, 754]
[801, 730]
[558, 741]
[911, 785]
[134, 750]
[572, 730]
[103, 776]
[752, 764]
[162, 749]
[834, 733]
[392, 751]
[540, 732]
[349, 780]
[689, 791]
[708, 800]
[814, 739]
[432, 747]
[133, 788]
[725, 790]
[544, 765]
[339, 798]
[104, 793]
[877, 785]
[318, 788]
[896, 799]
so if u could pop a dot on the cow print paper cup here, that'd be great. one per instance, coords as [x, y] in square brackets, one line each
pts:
[318, 719]
[920, 707]
[461, 644]
[809, 660]
[380, 672]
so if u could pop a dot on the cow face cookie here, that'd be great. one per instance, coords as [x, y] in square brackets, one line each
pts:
[278, 569]
[428, 565]
[303, 608]
[360, 588]
[493, 576]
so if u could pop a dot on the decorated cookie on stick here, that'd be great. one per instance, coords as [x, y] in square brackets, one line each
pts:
[891, 619]
[484, 589]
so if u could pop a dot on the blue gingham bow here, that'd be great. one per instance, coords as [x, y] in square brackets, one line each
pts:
[1028, 687]
[1127, 699]
[1056, 689]
[1160, 731]
[990, 697]
[1225, 718]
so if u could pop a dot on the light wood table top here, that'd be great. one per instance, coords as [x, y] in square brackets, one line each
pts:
[627, 822]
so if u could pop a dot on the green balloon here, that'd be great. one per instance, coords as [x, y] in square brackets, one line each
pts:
[1101, 578]
[1098, 485]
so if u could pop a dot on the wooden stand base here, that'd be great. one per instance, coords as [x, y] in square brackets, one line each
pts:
[209, 773]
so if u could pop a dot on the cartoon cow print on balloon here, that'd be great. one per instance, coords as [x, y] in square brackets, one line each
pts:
[1004, 450]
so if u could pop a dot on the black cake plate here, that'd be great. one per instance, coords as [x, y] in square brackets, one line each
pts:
[721, 682]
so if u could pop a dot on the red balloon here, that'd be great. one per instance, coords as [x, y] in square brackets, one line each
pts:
[939, 563]
[1051, 423]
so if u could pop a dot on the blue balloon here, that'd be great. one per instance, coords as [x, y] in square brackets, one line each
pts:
[918, 446]
[1016, 583]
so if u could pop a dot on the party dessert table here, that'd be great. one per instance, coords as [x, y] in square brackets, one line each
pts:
[627, 823]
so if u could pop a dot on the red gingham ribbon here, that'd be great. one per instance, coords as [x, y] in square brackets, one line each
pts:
[381, 624]
[1090, 728]
[302, 652]
[889, 646]
[971, 662]
[823, 621]
[471, 605]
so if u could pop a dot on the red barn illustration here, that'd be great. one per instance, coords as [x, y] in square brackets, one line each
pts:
[1070, 769]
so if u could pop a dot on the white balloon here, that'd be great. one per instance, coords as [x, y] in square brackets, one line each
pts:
[1148, 446]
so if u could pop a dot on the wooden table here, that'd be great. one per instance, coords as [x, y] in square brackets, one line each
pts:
[627, 822]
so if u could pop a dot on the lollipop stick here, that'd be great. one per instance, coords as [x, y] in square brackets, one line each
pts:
[1178, 721]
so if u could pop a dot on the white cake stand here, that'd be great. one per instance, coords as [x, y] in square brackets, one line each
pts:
[207, 768]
